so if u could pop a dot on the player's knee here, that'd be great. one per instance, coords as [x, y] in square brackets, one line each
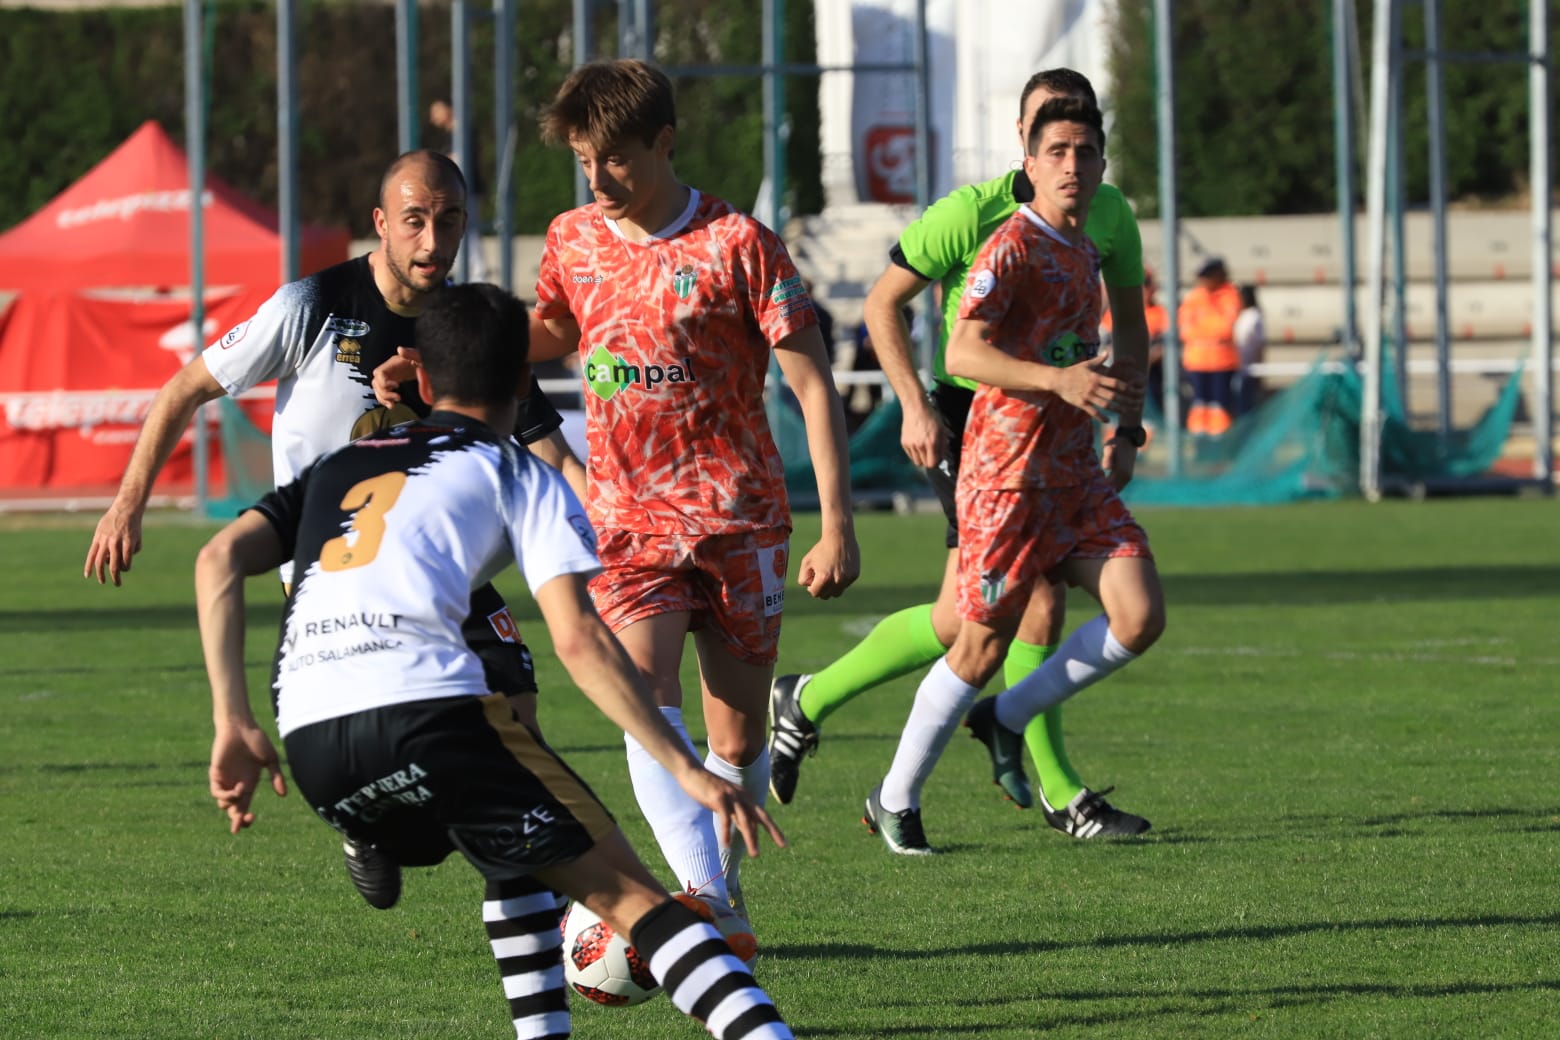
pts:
[741, 748]
[1140, 625]
[976, 659]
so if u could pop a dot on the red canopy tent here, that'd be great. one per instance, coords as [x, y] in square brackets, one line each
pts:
[78, 366]
[126, 222]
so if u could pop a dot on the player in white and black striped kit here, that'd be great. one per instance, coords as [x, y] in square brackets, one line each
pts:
[321, 338]
[390, 730]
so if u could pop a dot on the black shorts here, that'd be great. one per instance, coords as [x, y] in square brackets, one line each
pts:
[493, 634]
[424, 779]
[953, 405]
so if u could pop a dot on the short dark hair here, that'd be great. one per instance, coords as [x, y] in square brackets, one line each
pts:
[1062, 82]
[474, 339]
[604, 102]
[1065, 110]
[445, 170]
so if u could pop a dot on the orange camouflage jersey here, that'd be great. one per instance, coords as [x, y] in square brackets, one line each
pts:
[1040, 295]
[675, 341]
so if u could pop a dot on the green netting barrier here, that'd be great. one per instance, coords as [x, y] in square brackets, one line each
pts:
[1301, 443]
[246, 461]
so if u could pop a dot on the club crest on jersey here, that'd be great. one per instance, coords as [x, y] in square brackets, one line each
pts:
[354, 327]
[606, 374]
[683, 281]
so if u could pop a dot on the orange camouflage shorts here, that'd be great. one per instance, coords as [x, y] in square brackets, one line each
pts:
[733, 582]
[1011, 540]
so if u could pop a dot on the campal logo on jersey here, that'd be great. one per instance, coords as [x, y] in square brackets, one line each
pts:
[981, 284]
[1068, 349]
[606, 374]
[683, 281]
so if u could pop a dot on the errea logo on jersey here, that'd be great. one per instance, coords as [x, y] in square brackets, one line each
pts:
[606, 374]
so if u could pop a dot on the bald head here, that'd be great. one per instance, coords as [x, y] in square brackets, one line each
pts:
[430, 169]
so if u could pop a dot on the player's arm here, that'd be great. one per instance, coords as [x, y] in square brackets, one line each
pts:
[921, 432]
[554, 450]
[835, 562]
[553, 338]
[601, 668]
[1086, 385]
[1130, 359]
[118, 534]
[240, 750]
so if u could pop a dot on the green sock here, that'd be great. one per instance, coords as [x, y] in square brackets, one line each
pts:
[1059, 781]
[897, 645]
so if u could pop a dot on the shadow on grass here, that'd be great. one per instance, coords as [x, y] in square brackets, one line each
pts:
[1157, 940]
[1362, 586]
[1194, 1003]
[121, 619]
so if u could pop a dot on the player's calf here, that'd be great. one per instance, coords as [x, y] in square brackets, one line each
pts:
[702, 975]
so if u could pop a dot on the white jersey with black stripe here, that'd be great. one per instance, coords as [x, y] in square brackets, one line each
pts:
[321, 338]
[389, 535]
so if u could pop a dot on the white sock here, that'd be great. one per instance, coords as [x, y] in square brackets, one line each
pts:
[1087, 656]
[939, 707]
[683, 828]
[754, 779]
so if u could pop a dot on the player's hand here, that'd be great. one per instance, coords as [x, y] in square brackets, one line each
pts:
[239, 754]
[923, 435]
[1090, 386]
[831, 566]
[389, 376]
[1119, 460]
[731, 805]
[117, 538]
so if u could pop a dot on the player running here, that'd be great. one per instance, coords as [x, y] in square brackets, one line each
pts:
[940, 247]
[1034, 502]
[674, 301]
[391, 733]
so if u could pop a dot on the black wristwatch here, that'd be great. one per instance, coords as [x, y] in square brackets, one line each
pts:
[1133, 435]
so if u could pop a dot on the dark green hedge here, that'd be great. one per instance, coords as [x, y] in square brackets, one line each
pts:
[1254, 107]
[74, 85]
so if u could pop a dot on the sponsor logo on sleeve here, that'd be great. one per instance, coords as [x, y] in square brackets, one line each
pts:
[981, 284]
[582, 528]
[234, 334]
[790, 288]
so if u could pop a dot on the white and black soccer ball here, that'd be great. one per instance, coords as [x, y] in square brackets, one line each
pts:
[600, 965]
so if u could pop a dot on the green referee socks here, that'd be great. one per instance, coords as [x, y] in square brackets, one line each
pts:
[1059, 781]
[897, 645]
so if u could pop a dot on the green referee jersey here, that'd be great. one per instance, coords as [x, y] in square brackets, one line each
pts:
[944, 242]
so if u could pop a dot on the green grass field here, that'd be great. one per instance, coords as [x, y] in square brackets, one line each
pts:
[1348, 742]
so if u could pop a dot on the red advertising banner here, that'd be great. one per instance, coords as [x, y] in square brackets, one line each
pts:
[78, 372]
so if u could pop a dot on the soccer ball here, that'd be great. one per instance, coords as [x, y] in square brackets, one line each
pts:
[600, 965]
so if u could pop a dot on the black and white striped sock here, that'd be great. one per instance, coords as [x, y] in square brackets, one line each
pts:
[699, 972]
[521, 917]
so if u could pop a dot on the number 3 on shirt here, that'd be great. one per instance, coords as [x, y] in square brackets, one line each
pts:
[368, 501]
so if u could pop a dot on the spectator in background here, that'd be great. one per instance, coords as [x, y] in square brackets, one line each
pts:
[825, 319]
[1208, 356]
[1251, 345]
[441, 116]
[1158, 321]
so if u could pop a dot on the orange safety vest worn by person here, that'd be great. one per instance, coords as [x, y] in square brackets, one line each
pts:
[1206, 321]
